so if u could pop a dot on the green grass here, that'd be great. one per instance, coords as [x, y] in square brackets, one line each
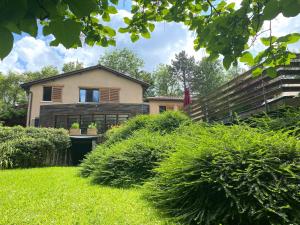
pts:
[58, 196]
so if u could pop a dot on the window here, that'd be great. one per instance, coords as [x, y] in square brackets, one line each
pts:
[162, 108]
[89, 95]
[47, 94]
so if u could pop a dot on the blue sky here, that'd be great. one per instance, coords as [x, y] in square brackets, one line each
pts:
[31, 54]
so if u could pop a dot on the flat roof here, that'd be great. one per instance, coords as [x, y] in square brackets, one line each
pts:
[165, 98]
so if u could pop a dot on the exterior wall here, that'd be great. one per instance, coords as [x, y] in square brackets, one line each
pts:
[154, 105]
[130, 92]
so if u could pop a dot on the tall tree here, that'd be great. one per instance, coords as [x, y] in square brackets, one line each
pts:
[123, 60]
[71, 66]
[208, 76]
[183, 68]
[46, 71]
[220, 26]
[165, 83]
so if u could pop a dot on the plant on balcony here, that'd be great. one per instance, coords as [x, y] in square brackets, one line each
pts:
[92, 129]
[75, 129]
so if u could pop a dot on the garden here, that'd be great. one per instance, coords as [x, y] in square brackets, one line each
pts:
[157, 169]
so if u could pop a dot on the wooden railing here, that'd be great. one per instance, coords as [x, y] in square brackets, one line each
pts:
[246, 95]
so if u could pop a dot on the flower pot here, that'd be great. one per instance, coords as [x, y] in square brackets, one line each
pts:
[74, 132]
[92, 131]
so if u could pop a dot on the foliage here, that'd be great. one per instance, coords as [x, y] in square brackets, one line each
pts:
[45, 72]
[219, 26]
[71, 66]
[12, 116]
[75, 125]
[165, 83]
[164, 123]
[24, 152]
[57, 196]
[123, 60]
[208, 76]
[286, 120]
[131, 161]
[230, 175]
[20, 146]
[92, 125]
[183, 68]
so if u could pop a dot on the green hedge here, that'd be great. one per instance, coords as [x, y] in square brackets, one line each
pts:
[164, 123]
[20, 147]
[129, 162]
[229, 175]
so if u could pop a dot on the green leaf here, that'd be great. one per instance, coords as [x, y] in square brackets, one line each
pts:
[247, 58]
[271, 10]
[227, 62]
[112, 10]
[123, 30]
[290, 8]
[134, 37]
[106, 17]
[114, 2]
[81, 8]
[111, 32]
[290, 38]
[271, 72]
[146, 35]
[6, 42]
[29, 25]
[127, 20]
[256, 72]
[66, 32]
[151, 27]
[266, 40]
[112, 42]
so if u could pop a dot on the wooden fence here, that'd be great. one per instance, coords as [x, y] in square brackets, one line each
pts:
[246, 95]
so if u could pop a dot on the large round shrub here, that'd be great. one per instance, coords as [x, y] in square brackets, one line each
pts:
[130, 162]
[230, 176]
[24, 153]
[164, 123]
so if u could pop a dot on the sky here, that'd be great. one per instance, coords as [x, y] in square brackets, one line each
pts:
[31, 54]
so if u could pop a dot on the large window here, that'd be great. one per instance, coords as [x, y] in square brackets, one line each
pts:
[162, 108]
[47, 94]
[89, 95]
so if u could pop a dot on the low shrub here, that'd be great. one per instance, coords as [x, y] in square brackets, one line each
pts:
[229, 175]
[10, 137]
[131, 161]
[164, 123]
[25, 152]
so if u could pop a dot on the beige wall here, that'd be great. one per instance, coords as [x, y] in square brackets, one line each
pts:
[154, 105]
[130, 92]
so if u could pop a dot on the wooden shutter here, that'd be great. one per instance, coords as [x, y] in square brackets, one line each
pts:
[57, 93]
[170, 107]
[104, 95]
[114, 94]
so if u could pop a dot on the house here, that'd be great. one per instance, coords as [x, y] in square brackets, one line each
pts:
[94, 94]
[160, 104]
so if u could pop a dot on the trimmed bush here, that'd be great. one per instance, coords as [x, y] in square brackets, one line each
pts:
[164, 123]
[131, 161]
[24, 152]
[230, 176]
[11, 139]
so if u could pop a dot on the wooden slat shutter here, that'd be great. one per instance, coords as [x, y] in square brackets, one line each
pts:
[104, 94]
[170, 107]
[57, 93]
[114, 94]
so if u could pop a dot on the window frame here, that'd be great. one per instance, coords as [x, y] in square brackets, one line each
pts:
[91, 89]
[43, 97]
[162, 106]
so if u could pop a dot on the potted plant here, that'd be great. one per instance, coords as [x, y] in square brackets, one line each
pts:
[92, 129]
[75, 129]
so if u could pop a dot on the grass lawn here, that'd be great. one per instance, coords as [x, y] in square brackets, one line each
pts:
[58, 196]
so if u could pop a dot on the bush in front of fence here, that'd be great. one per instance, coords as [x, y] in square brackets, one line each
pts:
[229, 175]
[19, 147]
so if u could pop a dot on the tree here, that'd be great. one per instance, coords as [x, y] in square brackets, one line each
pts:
[165, 83]
[220, 27]
[46, 71]
[124, 61]
[208, 76]
[71, 66]
[183, 68]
